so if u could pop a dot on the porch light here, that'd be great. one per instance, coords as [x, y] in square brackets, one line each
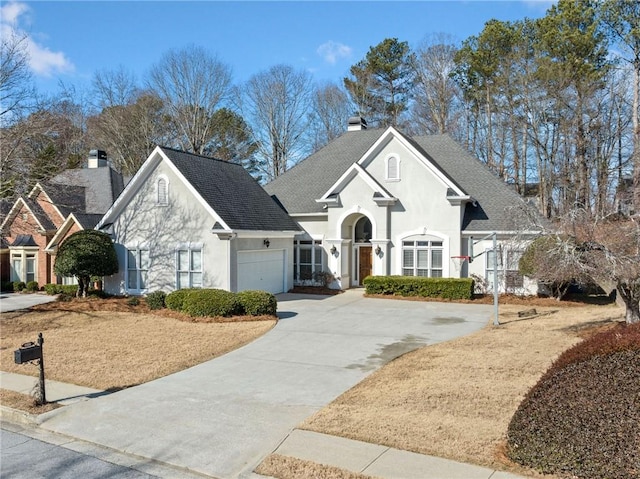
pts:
[333, 250]
[378, 251]
[266, 242]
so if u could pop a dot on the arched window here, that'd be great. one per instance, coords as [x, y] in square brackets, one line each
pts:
[393, 168]
[163, 191]
[363, 230]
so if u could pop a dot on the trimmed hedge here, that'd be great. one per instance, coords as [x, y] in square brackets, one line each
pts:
[446, 288]
[33, 286]
[156, 299]
[19, 286]
[257, 303]
[219, 302]
[581, 419]
[175, 299]
[210, 302]
[52, 289]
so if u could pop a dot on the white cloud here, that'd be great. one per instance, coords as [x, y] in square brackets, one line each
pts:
[332, 51]
[42, 60]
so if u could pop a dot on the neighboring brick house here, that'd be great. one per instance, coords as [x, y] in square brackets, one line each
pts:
[38, 222]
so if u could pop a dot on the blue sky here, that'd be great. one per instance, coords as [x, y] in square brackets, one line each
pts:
[69, 41]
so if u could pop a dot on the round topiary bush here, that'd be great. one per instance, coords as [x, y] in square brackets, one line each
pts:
[156, 300]
[33, 286]
[175, 299]
[257, 303]
[19, 285]
[210, 302]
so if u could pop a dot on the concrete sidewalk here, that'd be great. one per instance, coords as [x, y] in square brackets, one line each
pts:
[61, 393]
[379, 461]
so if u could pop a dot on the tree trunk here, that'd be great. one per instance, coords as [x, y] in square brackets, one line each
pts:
[630, 295]
[80, 287]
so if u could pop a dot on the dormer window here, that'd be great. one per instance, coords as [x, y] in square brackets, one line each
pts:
[162, 191]
[392, 168]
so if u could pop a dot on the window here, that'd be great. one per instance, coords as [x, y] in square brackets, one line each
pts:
[163, 191]
[393, 168]
[189, 267]
[363, 230]
[23, 266]
[137, 269]
[510, 275]
[422, 258]
[16, 267]
[307, 259]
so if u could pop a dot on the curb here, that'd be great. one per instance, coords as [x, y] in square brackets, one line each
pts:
[17, 416]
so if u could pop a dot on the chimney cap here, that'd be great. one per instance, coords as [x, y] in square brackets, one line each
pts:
[357, 123]
[99, 154]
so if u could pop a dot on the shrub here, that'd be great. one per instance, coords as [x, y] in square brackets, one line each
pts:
[446, 288]
[257, 303]
[581, 418]
[175, 299]
[32, 286]
[210, 302]
[156, 299]
[19, 285]
[65, 297]
[52, 289]
[133, 301]
[6, 287]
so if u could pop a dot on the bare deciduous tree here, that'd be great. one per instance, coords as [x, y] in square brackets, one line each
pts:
[330, 110]
[15, 77]
[276, 103]
[192, 84]
[436, 96]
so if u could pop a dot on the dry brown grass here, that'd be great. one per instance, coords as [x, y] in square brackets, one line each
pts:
[24, 402]
[285, 467]
[455, 399]
[111, 350]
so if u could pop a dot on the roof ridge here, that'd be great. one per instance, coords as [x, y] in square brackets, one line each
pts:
[197, 155]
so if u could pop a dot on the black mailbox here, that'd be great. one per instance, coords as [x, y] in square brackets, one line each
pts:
[28, 352]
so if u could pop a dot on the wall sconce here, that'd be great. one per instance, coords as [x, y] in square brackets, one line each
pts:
[266, 242]
[378, 251]
[333, 250]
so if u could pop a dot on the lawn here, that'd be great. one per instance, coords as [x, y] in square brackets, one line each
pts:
[455, 399]
[121, 346]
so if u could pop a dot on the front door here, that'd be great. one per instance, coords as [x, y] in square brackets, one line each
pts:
[364, 263]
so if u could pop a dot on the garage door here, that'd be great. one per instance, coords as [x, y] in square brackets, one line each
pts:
[262, 270]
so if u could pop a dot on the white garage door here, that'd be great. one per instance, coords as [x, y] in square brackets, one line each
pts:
[262, 270]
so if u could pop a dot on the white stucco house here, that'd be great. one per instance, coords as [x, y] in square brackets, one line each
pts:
[372, 202]
[379, 202]
[186, 220]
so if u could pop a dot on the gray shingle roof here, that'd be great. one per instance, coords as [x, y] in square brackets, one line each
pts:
[67, 199]
[87, 221]
[232, 193]
[24, 240]
[298, 188]
[102, 186]
[40, 214]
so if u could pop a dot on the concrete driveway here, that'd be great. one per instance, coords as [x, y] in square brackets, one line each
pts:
[17, 301]
[222, 417]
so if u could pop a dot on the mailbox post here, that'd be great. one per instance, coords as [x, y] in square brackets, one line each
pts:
[33, 352]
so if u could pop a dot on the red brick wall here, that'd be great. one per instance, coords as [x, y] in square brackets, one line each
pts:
[29, 226]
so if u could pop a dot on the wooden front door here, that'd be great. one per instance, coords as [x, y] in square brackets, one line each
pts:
[364, 263]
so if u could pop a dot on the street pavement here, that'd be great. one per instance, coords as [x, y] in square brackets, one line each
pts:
[222, 417]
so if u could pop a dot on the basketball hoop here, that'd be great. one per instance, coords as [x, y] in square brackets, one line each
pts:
[458, 261]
